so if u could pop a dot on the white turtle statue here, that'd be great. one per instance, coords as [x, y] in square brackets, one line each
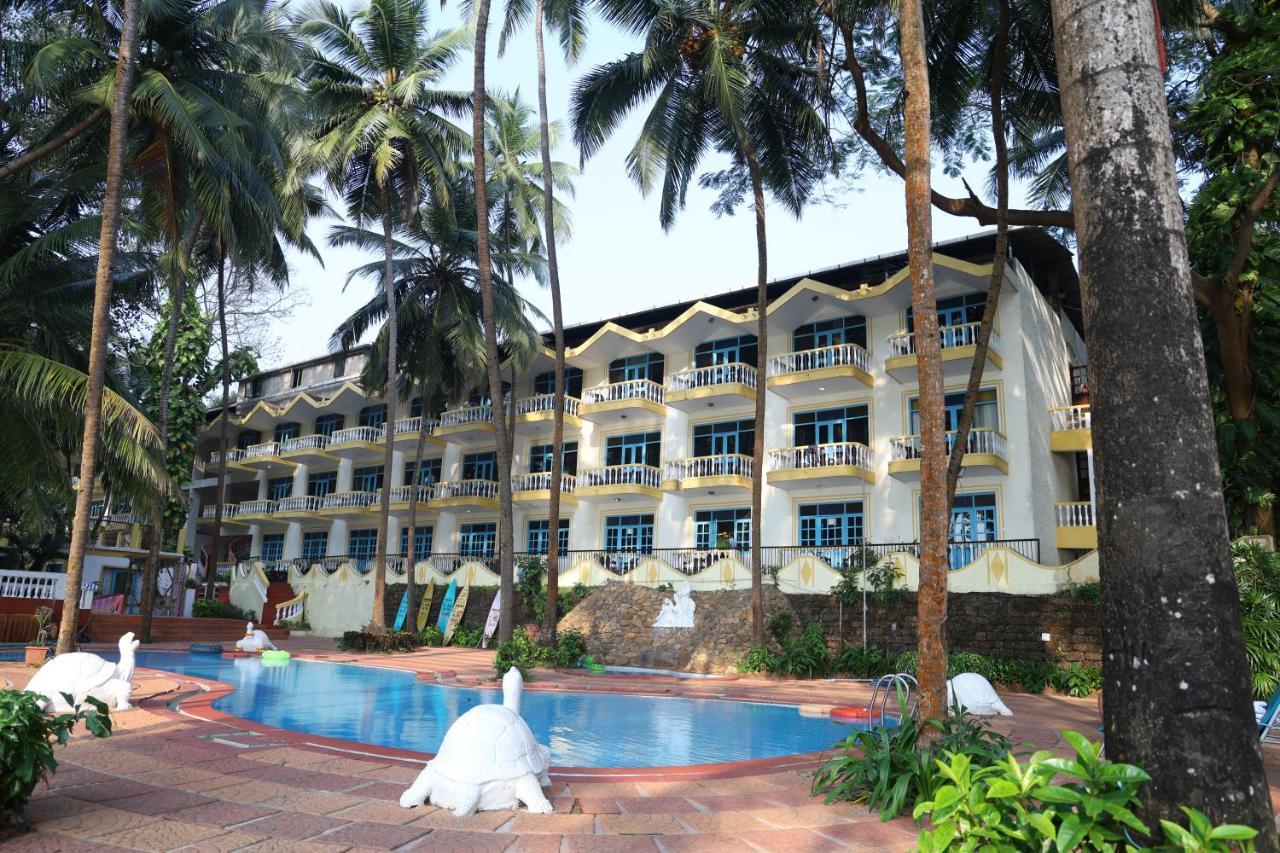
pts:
[488, 761]
[254, 640]
[976, 695]
[82, 674]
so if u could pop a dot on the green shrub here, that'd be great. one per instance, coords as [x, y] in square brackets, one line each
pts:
[1258, 576]
[1091, 592]
[780, 626]
[759, 659]
[958, 662]
[1077, 680]
[466, 637]
[430, 636]
[529, 574]
[806, 654]
[27, 737]
[365, 641]
[525, 653]
[295, 624]
[212, 608]
[855, 661]
[905, 662]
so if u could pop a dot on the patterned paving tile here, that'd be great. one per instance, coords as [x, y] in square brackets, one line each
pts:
[315, 802]
[96, 822]
[116, 789]
[720, 822]
[478, 822]
[48, 808]
[597, 805]
[796, 817]
[292, 825]
[286, 845]
[554, 824]
[160, 802]
[225, 843]
[162, 835]
[455, 841]
[377, 810]
[218, 813]
[384, 836]
[42, 842]
[255, 792]
[654, 805]
[610, 844]
[535, 844]
[789, 841]
[395, 773]
[380, 790]
[639, 824]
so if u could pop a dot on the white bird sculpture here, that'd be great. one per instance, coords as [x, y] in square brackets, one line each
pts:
[82, 674]
[976, 696]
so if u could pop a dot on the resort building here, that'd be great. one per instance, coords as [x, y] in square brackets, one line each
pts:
[659, 432]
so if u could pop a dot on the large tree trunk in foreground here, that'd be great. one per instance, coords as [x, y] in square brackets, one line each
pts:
[1176, 683]
[101, 327]
[378, 620]
[932, 601]
[762, 360]
[224, 428]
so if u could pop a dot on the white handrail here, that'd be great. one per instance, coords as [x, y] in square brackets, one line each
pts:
[716, 374]
[1071, 417]
[234, 454]
[305, 442]
[267, 448]
[287, 611]
[464, 489]
[403, 494]
[257, 507]
[41, 585]
[821, 456]
[211, 511]
[361, 433]
[304, 503]
[260, 582]
[981, 440]
[466, 415]
[719, 465]
[962, 335]
[621, 475]
[546, 403]
[1075, 514]
[349, 500]
[838, 355]
[632, 389]
[405, 426]
[541, 481]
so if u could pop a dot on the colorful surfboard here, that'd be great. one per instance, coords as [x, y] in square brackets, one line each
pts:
[446, 605]
[402, 614]
[424, 609]
[455, 618]
[491, 624]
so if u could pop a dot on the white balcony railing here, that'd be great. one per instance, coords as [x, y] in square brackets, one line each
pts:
[546, 403]
[840, 355]
[541, 482]
[373, 435]
[467, 415]
[304, 503]
[621, 475]
[464, 489]
[403, 494]
[981, 440]
[287, 611]
[1071, 417]
[821, 456]
[349, 500]
[632, 389]
[406, 426]
[963, 335]
[257, 507]
[305, 442]
[1075, 514]
[267, 448]
[716, 374]
[231, 456]
[720, 465]
[210, 511]
[42, 585]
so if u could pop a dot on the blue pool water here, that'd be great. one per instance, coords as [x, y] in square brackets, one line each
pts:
[393, 709]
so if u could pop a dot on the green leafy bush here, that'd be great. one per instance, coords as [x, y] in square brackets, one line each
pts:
[525, 653]
[466, 637]
[906, 662]
[295, 624]
[365, 641]
[27, 737]
[1077, 680]
[855, 661]
[780, 626]
[1091, 592]
[212, 608]
[530, 571]
[431, 636]
[1258, 576]
[759, 659]
[805, 655]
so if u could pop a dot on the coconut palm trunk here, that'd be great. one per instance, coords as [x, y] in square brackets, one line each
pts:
[38, 153]
[1175, 678]
[101, 327]
[762, 360]
[224, 427]
[410, 548]
[378, 621]
[932, 600]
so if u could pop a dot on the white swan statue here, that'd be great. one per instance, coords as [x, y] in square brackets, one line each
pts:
[976, 696]
[82, 674]
[254, 640]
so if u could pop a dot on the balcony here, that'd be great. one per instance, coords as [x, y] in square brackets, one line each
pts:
[401, 495]
[465, 494]
[1072, 429]
[827, 370]
[959, 345]
[1077, 528]
[306, 449]
[467, 425]
[256, 511]
[349, 505]
[698, 388]
[223, 459]
[535, 489]
[230, 514]
[985, 453]
[821, 465]
[407, 430]
[265, 457]
[359, 444]
[729, 473]
[536, 414]
[618, 401]
[305, 506]
[619, 481]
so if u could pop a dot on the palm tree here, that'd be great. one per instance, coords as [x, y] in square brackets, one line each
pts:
[382, 130]
[725, 77]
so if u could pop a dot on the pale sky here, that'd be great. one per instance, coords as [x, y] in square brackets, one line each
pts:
[618, 258]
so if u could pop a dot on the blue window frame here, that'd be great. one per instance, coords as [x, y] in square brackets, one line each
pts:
[248, 438]
[629, 533]
[272, 547]
[373, 416]
[742, 349]
[644, 366]
[478, 539]
[724, 437]
[641, 448]
[367, 479]
[327, 425]
[429, 475]
[422, 537]
[537, 540]
[830, 524]
[482, 465]
[540, 458]
[831, 426]
[722, 528]
[545, 382]
[362, 547]
[986, 411]
[322, 483]
[279, 488]
[287, 430]
[315, 545]
[829, 333]
[956, 310]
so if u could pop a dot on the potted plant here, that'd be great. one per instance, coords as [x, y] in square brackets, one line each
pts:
[38, 651]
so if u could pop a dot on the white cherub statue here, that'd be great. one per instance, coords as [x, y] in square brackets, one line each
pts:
[81, 675]
[254, 640]
[677, 611]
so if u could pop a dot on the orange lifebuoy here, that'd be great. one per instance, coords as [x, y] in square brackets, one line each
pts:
[851, 713]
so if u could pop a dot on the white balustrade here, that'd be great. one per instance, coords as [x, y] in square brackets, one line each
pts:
[211, 511]
[305, 503]
[464, 489]
[1071, 417]
[716, 374]
[229, 457]
[305, 442]
[541, 482]
[821, 456]
[260, 582]
[466, 415]
[267, 448]
[839, 355]
[349, 500]
[407, 426]
[720, 465]
[962, 335]
[403, 494]
[258, 507]
[632, 389]
[621, 475]
[50, 586]
[287, 611]
[546, 403]
[981, 440]
[373, 435]
[1075, 514]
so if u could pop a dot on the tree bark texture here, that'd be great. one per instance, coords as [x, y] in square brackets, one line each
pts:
[1176, 682]
[224, 428]
[38, 153]
[101, 327]
[378, 620]
[762, 361]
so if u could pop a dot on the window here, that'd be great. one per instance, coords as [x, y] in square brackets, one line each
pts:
[642, 448]
[430, 474]
[973, 519]
[295, 378]
[481, 396]
[644, 366]
[724, 438]
[287, 430]
[545, 382]
[480, 466]
[722, 528]
[272, 547]
[956, 310]
[362, 546]
[632, 533]
[538, 540]
[248, 438]
[829, 333]
[986, 411]
[830, 524]
[279, 488]
[726, 351]
[327, 425]
[315, 545]
[478, 539]
[367, 479]
[831, 426]
[421, 541]
[540, 457]
[255, 387]
[322, 483]
[373, 416]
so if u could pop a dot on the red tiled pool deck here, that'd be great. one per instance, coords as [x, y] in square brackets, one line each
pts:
[195, 780]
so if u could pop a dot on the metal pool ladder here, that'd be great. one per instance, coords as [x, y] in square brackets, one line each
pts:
[890, 687]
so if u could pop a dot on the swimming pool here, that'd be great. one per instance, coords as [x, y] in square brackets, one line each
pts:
[391, 708]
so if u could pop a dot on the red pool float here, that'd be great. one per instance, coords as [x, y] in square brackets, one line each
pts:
[851, 714]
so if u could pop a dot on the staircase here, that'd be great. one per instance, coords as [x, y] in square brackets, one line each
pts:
[170, 629]
[276, 593]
